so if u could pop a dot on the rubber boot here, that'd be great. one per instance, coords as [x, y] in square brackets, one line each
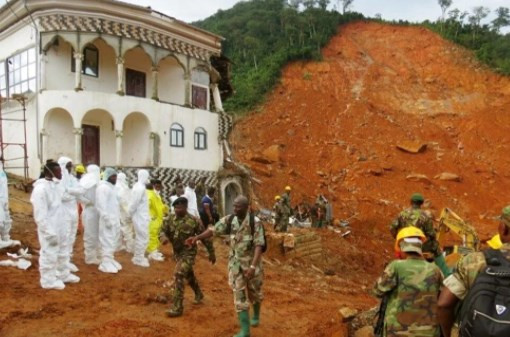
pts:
[255, 321]
[199, 296]
[244, 321]
[441, 263]
[176, 309]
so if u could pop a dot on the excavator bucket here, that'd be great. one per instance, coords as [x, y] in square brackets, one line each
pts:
[449, 221]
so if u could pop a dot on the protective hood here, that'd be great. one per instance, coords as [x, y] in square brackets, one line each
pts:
[91, 178]
[62, 162]
[108, 173]
[122, 180]
[143, 176]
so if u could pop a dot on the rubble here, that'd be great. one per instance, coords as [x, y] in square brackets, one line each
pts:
[418, 178]
[412, 147]
[347, 313]
[446, 176]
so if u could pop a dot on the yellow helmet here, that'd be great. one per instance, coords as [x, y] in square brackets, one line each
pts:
[408, 232]
[277, 198]
[288, 188]
[80, 168]
[495, 242]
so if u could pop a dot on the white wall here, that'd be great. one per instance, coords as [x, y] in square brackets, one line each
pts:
[60, 139]
[137, 59]
[101, 118]
[107, 80]
[172, 87]
[136, 141]
[17, 41]
[60, 77]
[161, 117]
[58, 67]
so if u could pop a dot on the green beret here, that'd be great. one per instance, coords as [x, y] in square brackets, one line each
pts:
[417, 197]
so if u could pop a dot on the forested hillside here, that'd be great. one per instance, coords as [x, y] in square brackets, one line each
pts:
[262, 36]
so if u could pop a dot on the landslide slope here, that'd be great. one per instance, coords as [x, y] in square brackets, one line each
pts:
[337, 123]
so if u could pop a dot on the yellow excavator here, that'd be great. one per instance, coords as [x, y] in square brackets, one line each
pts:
[449, 221]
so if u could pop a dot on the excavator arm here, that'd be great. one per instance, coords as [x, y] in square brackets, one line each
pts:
[450, 221]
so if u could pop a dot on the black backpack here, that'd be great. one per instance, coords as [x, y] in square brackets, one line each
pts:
[252, 226]
[486, 310]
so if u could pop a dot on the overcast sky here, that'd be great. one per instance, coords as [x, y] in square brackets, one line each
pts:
[412, 10]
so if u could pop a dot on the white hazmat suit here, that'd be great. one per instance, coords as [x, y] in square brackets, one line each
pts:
[46, 200]
[71, 191]
[139, 213]
[5, 217]
[189, 193]
[90, 216]
[126, 240]
[107, 206]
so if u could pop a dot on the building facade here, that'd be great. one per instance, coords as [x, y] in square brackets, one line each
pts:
[112, 84]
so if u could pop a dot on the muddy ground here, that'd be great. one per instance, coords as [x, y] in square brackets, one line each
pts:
[300, 300]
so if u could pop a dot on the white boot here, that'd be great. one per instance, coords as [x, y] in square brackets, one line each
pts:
[140, 261]
[71, 278]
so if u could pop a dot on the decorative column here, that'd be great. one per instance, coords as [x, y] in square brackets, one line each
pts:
[217, 97]
[120, 76]
[187, 91]
[78, 59]
[78, 132]
[42, 74]
[154, 149]
[155, 95]
[44, 144]
[118, 147]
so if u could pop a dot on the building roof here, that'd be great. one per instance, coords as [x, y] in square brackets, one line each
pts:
[29, 11]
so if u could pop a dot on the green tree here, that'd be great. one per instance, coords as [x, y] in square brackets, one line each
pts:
[444, 4]
[346, 5]
[502, 18]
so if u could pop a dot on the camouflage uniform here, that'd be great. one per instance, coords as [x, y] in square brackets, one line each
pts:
[177, 230]
[421, 219]
[281, 217]
[413, 286]
[467, 270]
[242, 251]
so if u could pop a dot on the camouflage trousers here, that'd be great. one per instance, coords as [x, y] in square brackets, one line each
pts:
[282, 224]
[183, 272]
[246, 290]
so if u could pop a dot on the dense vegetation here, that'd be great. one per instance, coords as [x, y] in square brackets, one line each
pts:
[264, 35]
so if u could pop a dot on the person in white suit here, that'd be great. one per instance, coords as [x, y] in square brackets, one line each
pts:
[139, 213]
[90, 215]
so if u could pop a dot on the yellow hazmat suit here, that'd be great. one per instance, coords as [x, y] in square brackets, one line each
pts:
[157, 211]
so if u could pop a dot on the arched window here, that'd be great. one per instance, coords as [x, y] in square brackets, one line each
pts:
[200, 139]
[90, 62]
[177, 135]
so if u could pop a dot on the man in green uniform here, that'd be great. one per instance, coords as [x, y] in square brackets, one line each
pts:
[413, 286]
[245, 273]
[180, 227]
[415, 216]
[286, 199]
[281, 219]
[457, 285]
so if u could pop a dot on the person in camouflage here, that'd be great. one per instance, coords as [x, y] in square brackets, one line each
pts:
[413, 285]
[245, 272]
[457, 285]
[177, 229]
[282, 215]
[415, 216]
[286, 200]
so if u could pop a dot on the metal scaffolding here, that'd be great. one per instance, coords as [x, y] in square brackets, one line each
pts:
[21, 99]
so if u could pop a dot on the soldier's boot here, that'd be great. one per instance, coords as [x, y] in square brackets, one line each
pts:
[176, 308]
[255, 320]
[199, 296]
[244, 321]
[441, 263]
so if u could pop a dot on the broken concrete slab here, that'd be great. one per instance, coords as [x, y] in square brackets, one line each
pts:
[418, 178]
[347, 313]
[447, 176]
[272, 153]
[412, 147]
[367, 331]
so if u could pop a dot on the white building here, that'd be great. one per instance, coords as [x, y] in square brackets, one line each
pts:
[112, 84]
